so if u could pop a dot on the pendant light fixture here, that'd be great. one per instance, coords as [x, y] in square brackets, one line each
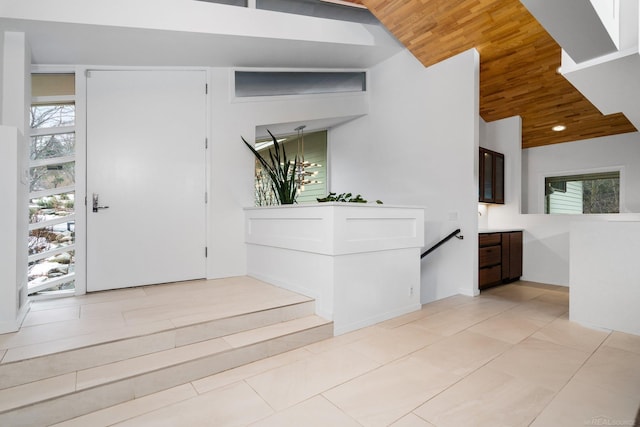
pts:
[303, 175]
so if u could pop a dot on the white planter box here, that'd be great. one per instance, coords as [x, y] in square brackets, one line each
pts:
[361, 262]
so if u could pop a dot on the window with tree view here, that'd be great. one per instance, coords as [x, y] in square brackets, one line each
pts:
[594, 193]
[52, 185]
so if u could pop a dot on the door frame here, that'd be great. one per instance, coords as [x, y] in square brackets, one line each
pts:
[81, 162]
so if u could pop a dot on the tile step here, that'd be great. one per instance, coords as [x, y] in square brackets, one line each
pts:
[70, 395]
[23, 365]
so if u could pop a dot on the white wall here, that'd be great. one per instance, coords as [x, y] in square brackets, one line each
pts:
[609, 13]
[231, 176]
[230, 172]
[546, 254]
[504, 136]
[608, 153]
[419, 146]
[596, 255]
[9, 143]
[605, 277]
[546, 238]
[16, 99]
[1, 72]
[16, 78]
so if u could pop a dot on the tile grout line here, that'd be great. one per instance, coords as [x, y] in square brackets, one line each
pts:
[571, 377]
[138, 375]
[511, 346]
[422, 348]
[459, 380]
[139, 335]
[321, 396]
[143, 412]
[244, 380]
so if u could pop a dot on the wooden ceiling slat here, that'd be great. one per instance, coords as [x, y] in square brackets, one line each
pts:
[518, 63]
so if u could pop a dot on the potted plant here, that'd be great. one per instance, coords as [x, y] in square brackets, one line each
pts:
[280, 170]
[344, 197]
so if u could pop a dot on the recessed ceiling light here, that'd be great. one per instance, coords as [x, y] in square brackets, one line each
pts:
[559, 128]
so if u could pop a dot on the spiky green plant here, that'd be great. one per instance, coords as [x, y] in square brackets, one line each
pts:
[280, 170]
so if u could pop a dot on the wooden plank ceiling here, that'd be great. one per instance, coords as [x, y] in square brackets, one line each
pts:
[518, 63]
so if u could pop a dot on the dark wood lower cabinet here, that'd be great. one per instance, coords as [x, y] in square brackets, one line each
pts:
[490, 276]
[515, 256]
[500, 258]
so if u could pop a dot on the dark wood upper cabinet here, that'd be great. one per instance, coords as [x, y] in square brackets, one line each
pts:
[491, 176]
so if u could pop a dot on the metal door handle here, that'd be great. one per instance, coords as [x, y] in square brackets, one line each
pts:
[95, 203]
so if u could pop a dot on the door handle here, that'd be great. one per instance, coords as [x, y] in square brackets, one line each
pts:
[96, 206]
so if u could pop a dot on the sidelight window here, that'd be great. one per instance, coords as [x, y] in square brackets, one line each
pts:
[51, 240]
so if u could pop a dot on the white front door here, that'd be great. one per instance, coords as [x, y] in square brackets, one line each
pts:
[146, 161]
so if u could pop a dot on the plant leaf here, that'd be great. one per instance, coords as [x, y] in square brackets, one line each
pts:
[280, 171]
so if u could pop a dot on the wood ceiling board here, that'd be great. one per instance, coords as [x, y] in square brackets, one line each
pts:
[518, 63]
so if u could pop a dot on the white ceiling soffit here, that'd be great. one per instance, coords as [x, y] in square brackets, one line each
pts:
[190, 33]
[286, 129]
[345, 3]
[612, 85]
[611, 81]
[575, 25]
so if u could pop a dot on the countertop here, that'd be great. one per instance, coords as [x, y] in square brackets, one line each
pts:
[497, 230]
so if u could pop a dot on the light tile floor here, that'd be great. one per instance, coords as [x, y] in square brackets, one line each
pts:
[61, 324]
[509, 358]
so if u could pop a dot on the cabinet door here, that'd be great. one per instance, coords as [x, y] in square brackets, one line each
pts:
[489, 276]
[506, 256]
[486, 176]
[498, 181]
[491, 183]
[490, 255]
[515, 254]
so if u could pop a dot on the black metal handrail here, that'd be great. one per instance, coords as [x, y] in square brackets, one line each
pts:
[442, 242]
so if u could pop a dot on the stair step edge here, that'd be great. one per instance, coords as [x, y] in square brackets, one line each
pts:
[30, 351]
[63, 387]
[140, 365]
[55, 364]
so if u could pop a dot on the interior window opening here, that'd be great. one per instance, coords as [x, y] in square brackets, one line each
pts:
[596, 193]
[315, 154]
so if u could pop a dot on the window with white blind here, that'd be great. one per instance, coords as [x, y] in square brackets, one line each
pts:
[52, 186]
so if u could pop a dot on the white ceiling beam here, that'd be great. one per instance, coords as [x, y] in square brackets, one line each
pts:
[575, 25]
